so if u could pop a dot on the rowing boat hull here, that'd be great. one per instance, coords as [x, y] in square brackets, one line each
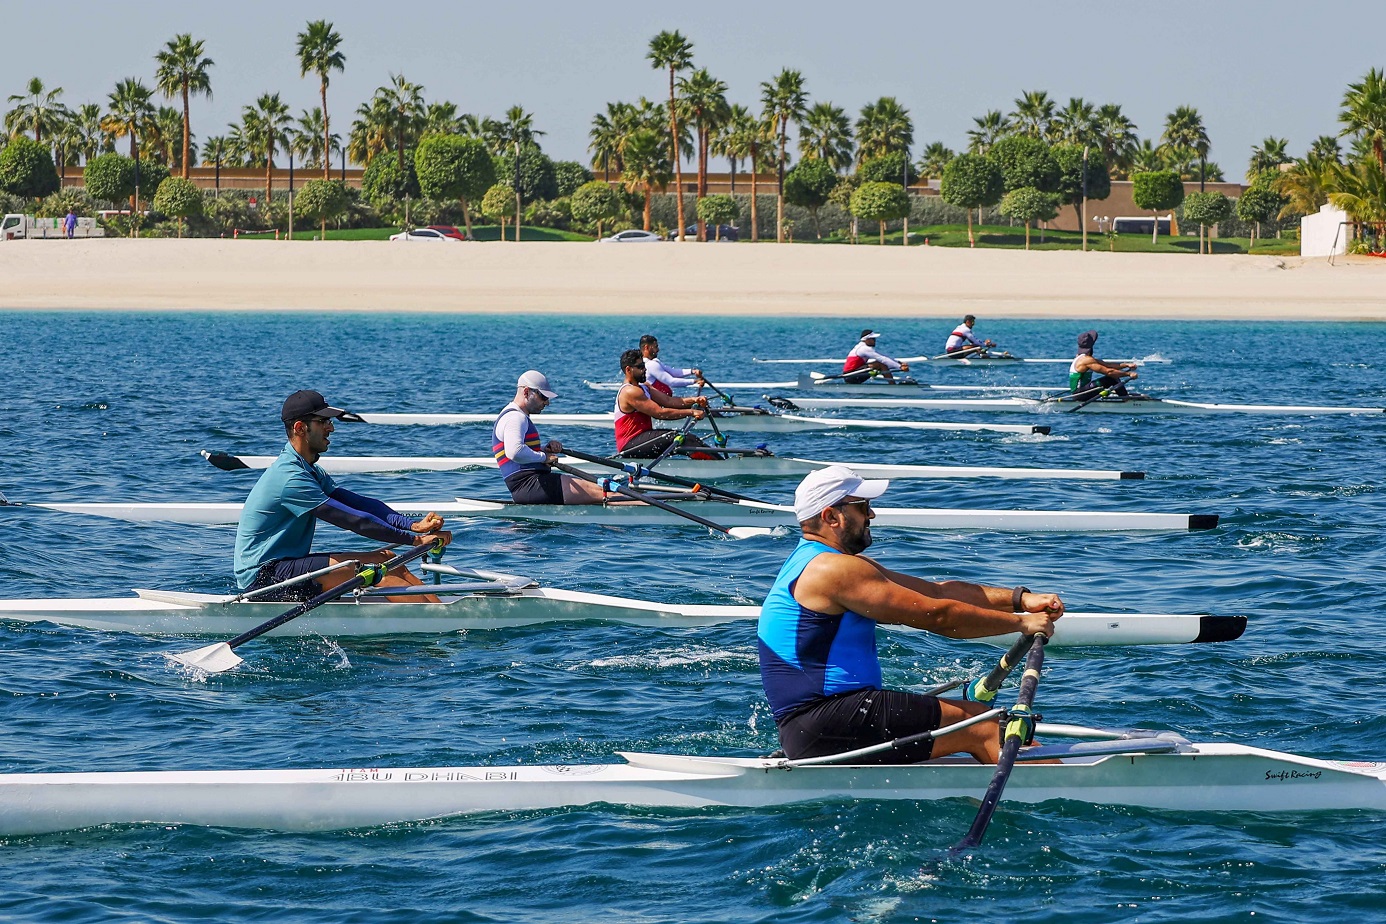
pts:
[730, 423]
[1200, 778]
[871, 387]
[702, 469]
[1100, 406]
[728, 514]
[155, 612]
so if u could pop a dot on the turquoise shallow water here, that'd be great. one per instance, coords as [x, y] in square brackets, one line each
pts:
[115, 406]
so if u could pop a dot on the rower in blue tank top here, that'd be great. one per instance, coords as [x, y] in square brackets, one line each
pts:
[817, 634]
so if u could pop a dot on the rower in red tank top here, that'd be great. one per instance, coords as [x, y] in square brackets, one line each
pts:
[638, 406]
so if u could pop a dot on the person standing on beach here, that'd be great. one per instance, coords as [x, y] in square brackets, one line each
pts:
[70, 224]
[1080, 373]
[274, 537]
[661, 377]
[865, 359]
[964, 339]
[526, 464]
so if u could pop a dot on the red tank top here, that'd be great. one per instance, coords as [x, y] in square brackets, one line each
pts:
[853, 363]
[630, 424]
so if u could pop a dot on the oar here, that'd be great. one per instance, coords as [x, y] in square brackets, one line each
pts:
[820, 377]
[731, 402]
[735, 532]
[676, 443]
[959, 354]
[642, 471]
[1020, 724]
[220, 657]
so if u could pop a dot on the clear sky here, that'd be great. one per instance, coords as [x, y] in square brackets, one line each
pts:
[1251, 68]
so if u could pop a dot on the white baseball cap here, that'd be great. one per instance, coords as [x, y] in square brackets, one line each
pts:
[872, 335]
[539, 382]
[827, 486]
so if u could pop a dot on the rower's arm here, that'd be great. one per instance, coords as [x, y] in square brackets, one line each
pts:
[1097, 365]
[657, 404]
[832, 583]
[365, 517]
[892, 364]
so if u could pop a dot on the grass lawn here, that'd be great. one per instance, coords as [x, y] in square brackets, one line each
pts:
[1003, 236]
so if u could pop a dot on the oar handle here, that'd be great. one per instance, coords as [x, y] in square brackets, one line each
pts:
[985, 689]
[636, 495]
[719, 392]
[641, 471]
[368, 575]
[1019, 722]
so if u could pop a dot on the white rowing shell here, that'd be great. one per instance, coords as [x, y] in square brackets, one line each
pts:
[1100, 406]
[731, 423]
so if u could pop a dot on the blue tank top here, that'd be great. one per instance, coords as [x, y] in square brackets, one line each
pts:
[806, 655]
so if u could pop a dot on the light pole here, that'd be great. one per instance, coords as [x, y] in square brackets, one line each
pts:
[1083, 215]
[905, 236]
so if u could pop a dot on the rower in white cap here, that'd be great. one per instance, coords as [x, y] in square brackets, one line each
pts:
[526, 464]
[865, 359]
[817, 634]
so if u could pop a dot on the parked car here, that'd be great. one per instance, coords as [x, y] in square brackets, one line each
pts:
[424, 234]
[728, 233]
[451, 231]
[632, 236]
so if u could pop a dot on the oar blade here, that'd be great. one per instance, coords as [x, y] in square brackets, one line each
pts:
[750, 532]
[213, 659]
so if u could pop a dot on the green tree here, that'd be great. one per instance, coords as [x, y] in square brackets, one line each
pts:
[826, 134]
[569, 176]
[1028, 204]
[453, 167]
[881, 202]
[717, 211]
[183, 72]
[1259, 203]
[888, 168]
[1363, 113]
[594, 203]
[1358, 188]
[647, 166]
[1072, 172]
[1157, 191]
[746, 137]
[26, 169]
[38, 111]
[1267, 155]
[535, 171]
[884, 127]
[322, 201]
[384, 184]
[971, 181]
[110, 177]
[269, 120]
[809, 185]
[131, 113]
[784, 100]
[935, 157]
[538, 174]
[671, 50]
[319, 52]
[497, 203]
[1025, 161]
[178, 198]
[1184, 131]
[704, 100]
[1206, 209]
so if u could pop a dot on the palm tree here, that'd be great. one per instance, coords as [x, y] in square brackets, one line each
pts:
[307, 142]
[1303, 185]
[1116, 135]
[672, 50]
[1034, 110]
[318, 52]
[403, 101]
[743, 138]
[370, 133]
[168, 134]
[990, 129]
[605, 139]
[936, 156]
[267, 122]
[518, 131]
[1359, 189]
[884, 127]
[1184, 134]
[826, 134]
[704, 101]
[1326, 147]
[647, 166]
[784, 101]
[1268, 155]
[38, 110]
[1145, 158]
[1363, 113]
[183, 71]
[88, 137]
[215, 152]
[440, 118]
[131, 113]
[1076, 123]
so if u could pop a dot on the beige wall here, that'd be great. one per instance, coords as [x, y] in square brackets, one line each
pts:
[244, 177]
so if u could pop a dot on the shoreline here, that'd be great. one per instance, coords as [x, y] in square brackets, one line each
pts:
[769, 280]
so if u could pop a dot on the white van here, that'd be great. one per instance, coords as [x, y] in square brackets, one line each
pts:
[27, 227]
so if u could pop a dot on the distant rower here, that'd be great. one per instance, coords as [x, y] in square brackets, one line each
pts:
[864, 358]
[525, 464]
[637, 407]
[963, 339]
[661, 377]
[1080, 380]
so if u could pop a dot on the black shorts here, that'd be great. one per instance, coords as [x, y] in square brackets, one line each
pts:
[652, 443]
[536, 486]
[272, 572]
[860, 719]
[1116, 385]
[856, 378]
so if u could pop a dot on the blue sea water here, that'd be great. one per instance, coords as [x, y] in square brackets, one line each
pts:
[116, 406]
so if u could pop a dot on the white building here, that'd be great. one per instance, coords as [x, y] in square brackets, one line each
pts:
[1325, 233]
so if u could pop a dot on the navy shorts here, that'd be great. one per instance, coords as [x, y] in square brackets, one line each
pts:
[860, 719]
[272, 572]
[536, 486]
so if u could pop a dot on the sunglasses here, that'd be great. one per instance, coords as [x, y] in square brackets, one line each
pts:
[865, 502]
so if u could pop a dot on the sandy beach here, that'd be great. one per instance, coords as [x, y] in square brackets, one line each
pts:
[690, 279]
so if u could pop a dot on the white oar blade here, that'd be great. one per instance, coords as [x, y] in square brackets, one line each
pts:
[749, 532]
[214, 659]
